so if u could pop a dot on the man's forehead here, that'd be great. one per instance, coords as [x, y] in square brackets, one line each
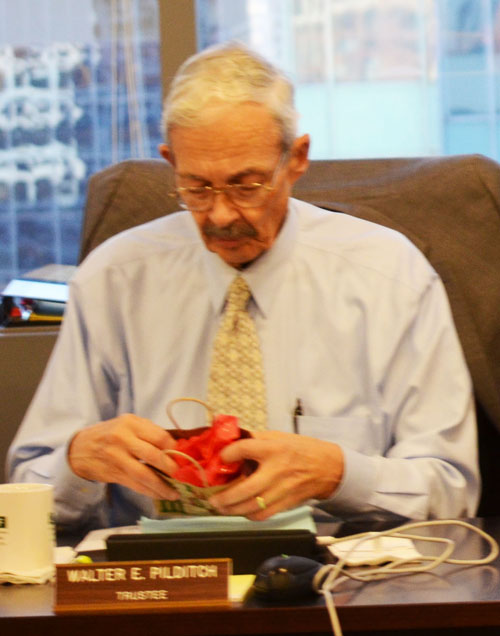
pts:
[229, 162]
[239, 142]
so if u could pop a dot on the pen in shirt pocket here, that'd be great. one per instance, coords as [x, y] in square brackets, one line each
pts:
[296, 414]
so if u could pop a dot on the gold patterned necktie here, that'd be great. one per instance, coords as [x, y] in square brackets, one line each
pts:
[236, 381]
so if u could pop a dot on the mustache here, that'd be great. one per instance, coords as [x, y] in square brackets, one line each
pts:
[234, 231]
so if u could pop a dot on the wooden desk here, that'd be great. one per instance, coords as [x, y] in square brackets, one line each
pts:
[453, 600]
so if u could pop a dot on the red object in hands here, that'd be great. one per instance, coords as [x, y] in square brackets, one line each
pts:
[219, 473]
[188, 474]
[205, 449]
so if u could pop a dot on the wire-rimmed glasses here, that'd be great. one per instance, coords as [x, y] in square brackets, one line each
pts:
[243, 195]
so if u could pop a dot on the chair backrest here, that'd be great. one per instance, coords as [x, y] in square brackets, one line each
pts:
[448, 206]
[123, 195]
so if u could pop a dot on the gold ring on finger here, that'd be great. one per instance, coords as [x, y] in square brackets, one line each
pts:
[261, 502]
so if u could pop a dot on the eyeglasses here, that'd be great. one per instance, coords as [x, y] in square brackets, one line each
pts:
[243, 195]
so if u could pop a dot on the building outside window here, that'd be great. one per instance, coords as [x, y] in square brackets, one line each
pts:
[378, 78]
[80, 89]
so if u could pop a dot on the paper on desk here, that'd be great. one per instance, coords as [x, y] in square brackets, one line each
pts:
[95, 540]
[296, 519]
[39, 575]
[374, 551]
[239, 584]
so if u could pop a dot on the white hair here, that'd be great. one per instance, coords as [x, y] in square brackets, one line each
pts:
[233, 74]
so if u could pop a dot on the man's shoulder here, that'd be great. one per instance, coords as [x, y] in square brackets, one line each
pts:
[164, 238]
[167, 232]
[361, 245]
[334, 227]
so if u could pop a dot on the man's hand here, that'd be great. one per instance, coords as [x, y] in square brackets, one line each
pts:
[115, 451]
[292, 468]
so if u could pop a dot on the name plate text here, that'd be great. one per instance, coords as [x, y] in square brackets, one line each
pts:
[141, 586]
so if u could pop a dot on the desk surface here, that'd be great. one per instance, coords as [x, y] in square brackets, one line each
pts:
[452, 600]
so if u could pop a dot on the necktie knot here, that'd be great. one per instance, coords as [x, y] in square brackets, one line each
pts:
[238, 295]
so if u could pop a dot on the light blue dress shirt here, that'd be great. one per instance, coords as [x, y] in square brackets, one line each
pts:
[352, 320]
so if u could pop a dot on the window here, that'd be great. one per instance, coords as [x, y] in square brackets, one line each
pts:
[80, 88]
[470, 76]
[379, 77]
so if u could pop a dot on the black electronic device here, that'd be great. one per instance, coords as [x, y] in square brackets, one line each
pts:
[286, 578]
[246, 548]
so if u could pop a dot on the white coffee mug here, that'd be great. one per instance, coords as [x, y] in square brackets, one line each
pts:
[27, 535]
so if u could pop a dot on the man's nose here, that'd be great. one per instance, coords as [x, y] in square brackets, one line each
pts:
[222, 212]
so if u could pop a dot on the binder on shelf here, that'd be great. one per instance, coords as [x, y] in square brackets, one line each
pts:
[37, 297]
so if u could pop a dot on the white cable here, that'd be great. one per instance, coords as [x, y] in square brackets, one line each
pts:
[331, 576]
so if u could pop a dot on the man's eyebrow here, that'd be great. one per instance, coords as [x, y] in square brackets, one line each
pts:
[246, 172]
[232, 179]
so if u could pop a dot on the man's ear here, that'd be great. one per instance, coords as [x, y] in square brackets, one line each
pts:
[299, 158]
[166, 152]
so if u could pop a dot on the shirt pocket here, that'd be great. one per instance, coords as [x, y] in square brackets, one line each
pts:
[362, 434]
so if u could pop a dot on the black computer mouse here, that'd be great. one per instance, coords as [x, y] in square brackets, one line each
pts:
[284, 578]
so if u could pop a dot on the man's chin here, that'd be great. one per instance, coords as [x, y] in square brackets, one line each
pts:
[235, 253]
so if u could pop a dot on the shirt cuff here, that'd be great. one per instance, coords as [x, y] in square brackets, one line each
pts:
[356, 487]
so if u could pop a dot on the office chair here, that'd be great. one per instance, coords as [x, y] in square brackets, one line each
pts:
[448, 206]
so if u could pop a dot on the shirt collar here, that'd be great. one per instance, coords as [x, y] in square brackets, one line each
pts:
[263, 276]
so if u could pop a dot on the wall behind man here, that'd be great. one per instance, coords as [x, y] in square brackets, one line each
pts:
[24, 352]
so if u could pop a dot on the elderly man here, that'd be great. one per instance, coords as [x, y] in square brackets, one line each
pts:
[358, 395]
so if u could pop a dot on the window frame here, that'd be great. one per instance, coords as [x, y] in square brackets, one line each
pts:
[178, 38]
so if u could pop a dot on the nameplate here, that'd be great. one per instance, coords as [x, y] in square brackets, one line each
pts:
[141, 586]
